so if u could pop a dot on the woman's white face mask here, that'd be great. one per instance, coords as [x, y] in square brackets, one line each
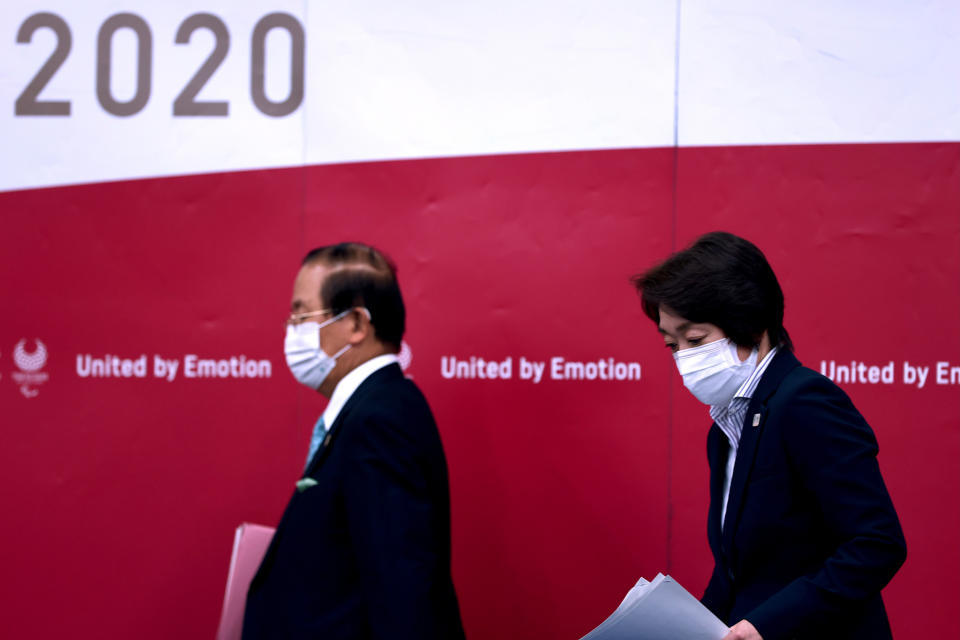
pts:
[713, 372]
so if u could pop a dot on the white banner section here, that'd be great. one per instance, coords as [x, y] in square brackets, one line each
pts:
[105, 90]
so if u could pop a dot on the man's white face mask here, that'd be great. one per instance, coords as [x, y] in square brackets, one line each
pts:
[307, 361]
[713, 371]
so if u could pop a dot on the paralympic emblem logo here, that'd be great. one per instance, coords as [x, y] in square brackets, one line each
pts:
[30, 363]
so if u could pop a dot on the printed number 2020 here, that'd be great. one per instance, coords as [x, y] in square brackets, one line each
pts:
[186, 103]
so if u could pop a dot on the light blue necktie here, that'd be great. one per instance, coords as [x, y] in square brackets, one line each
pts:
[319, 431]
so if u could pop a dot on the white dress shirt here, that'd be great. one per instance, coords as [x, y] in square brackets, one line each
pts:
[730, 420]
[350, 382]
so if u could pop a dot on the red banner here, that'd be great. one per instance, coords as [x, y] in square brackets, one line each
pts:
[166, 167]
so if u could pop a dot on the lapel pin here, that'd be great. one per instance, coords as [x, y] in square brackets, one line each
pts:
[326, 440]
[756, 419]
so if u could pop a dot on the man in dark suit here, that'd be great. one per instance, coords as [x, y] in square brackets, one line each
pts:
[803, 533]
[363, 548]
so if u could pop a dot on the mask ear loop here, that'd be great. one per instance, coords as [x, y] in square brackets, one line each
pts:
[321, 325]
[342, 314]
[325, 323]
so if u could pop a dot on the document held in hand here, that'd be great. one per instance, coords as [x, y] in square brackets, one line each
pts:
[250, 544]
[659, 610]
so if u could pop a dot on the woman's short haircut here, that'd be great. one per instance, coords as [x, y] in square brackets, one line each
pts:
[362, 276]
[723, 280]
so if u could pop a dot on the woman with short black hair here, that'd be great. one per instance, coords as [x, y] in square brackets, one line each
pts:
[802, 530]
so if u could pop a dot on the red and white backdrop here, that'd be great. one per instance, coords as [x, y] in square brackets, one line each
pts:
[164, 166]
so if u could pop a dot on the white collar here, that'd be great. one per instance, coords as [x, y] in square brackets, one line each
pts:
[349, 383]
[750, 385]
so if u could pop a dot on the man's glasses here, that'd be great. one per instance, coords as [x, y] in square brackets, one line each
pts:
[297, 318]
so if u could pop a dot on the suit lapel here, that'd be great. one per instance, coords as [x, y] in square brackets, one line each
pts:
[375, 379]
[753, 423]
[746, 453]
[717, 449]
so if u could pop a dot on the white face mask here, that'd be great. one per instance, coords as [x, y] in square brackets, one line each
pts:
[713, 371]
[307, 361]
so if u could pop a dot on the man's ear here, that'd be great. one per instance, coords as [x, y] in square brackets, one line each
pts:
[360, 325]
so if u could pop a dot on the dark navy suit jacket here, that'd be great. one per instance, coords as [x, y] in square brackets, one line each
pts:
[810, 536]
[365, 553]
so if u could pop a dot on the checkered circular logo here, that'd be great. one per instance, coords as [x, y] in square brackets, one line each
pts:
[30, 361]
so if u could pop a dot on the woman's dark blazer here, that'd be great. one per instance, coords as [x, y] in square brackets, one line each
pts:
[810, 535]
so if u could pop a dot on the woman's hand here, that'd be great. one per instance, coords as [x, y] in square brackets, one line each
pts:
[743, 630]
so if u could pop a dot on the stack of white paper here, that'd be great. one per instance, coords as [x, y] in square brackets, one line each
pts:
[659, 610]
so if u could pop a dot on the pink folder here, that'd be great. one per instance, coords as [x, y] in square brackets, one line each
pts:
[250, 543]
